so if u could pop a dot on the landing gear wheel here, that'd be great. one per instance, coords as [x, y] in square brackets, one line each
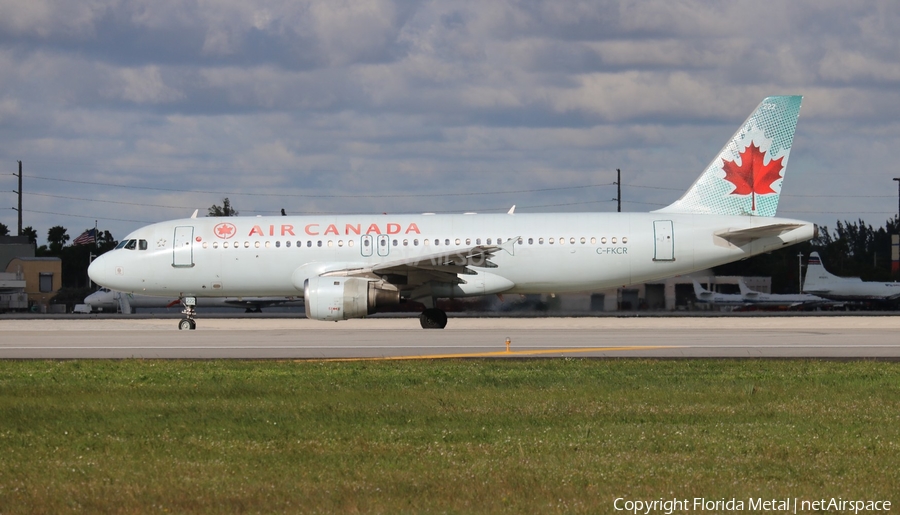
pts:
[189, 313]
[433, 318]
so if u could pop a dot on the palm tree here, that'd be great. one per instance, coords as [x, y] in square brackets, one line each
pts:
[224, 210]
[57, 238]
[30, 232]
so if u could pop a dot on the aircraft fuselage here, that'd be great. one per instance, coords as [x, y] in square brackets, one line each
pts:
[551, 253]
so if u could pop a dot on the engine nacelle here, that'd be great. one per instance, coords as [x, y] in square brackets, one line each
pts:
[342, 298]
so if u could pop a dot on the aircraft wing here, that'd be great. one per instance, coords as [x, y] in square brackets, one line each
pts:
[741, 237]
[443, 266]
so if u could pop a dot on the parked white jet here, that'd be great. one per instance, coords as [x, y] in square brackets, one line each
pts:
[821, 282]
[753, 299]
[786, 300]
[719, 299]
[351, 266]
[105, 299]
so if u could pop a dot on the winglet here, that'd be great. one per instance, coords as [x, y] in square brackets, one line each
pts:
[195, 213]
[512, 210]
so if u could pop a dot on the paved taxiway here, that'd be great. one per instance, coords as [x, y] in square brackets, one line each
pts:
[781, 337]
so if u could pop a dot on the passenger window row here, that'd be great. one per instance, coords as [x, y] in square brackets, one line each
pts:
[437, 242]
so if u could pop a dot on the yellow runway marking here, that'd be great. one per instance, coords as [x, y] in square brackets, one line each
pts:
[501, 353]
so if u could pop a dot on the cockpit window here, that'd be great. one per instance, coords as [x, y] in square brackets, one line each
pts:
[131, 244]
[121, 244]
[142, 244]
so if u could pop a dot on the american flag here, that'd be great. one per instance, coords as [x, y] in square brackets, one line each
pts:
[86, 237]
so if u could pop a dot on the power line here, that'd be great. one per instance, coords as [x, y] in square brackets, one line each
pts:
[91, 217]
[130, 203]
[414, 195]
[301, 195]
[311, 213]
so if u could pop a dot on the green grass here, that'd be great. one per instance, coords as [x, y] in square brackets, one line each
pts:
[549, 436]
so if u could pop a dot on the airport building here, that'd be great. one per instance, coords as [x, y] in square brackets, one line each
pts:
[27, 282]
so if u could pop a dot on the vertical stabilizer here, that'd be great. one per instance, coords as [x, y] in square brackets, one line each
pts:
[746, 176]
[817, 277]
[699, 291]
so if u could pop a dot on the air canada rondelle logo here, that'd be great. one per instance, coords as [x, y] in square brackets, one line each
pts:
[225, 230]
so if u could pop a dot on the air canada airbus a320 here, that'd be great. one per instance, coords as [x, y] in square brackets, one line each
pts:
[352, 266]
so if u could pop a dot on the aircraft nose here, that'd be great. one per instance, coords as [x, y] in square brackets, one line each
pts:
[100, 271]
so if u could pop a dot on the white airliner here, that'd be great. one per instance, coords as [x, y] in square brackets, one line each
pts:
[105, 299]
[821, 282]
[353, 265]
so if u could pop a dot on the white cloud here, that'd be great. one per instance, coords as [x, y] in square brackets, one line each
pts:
[143, 85]
[375, 96]
[46, 18]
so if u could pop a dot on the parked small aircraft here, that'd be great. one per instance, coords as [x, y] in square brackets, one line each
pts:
[821, 282]
[753, 299]
[719, 299]
[782, 300]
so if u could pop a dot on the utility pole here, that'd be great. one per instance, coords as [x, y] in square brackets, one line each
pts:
[895, 249]
[20, 198]
[898, 196]
[619, 189]
[800, 273]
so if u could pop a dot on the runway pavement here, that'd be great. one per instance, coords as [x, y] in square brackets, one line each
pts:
[678, 337]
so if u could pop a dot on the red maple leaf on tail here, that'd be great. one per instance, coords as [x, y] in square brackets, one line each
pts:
[752, 177]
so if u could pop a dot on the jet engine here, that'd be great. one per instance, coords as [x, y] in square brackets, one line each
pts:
[343, 298]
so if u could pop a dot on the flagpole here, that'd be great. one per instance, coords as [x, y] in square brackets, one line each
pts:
[96, 236]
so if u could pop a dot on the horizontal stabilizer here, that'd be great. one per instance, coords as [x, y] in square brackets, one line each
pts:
[740, 237]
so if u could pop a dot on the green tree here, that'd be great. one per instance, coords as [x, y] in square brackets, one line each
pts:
[224, 210]
[4, 230]
[105, 241]
[30, 232]
[57, 238]
[856, 249]
[77, 258]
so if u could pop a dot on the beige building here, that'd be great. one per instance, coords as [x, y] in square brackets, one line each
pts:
[42, 276]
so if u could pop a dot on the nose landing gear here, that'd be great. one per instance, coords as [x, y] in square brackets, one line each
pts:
[189, 312]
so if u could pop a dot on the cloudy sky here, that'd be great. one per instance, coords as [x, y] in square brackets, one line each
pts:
[131, 112]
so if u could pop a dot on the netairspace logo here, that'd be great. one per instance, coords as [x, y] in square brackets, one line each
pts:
[754, 504]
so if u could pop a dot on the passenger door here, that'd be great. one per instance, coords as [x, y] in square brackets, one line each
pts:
[663, 241]
[182, 247]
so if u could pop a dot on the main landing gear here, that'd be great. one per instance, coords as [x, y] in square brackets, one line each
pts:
[433, 318]
[188, 323]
